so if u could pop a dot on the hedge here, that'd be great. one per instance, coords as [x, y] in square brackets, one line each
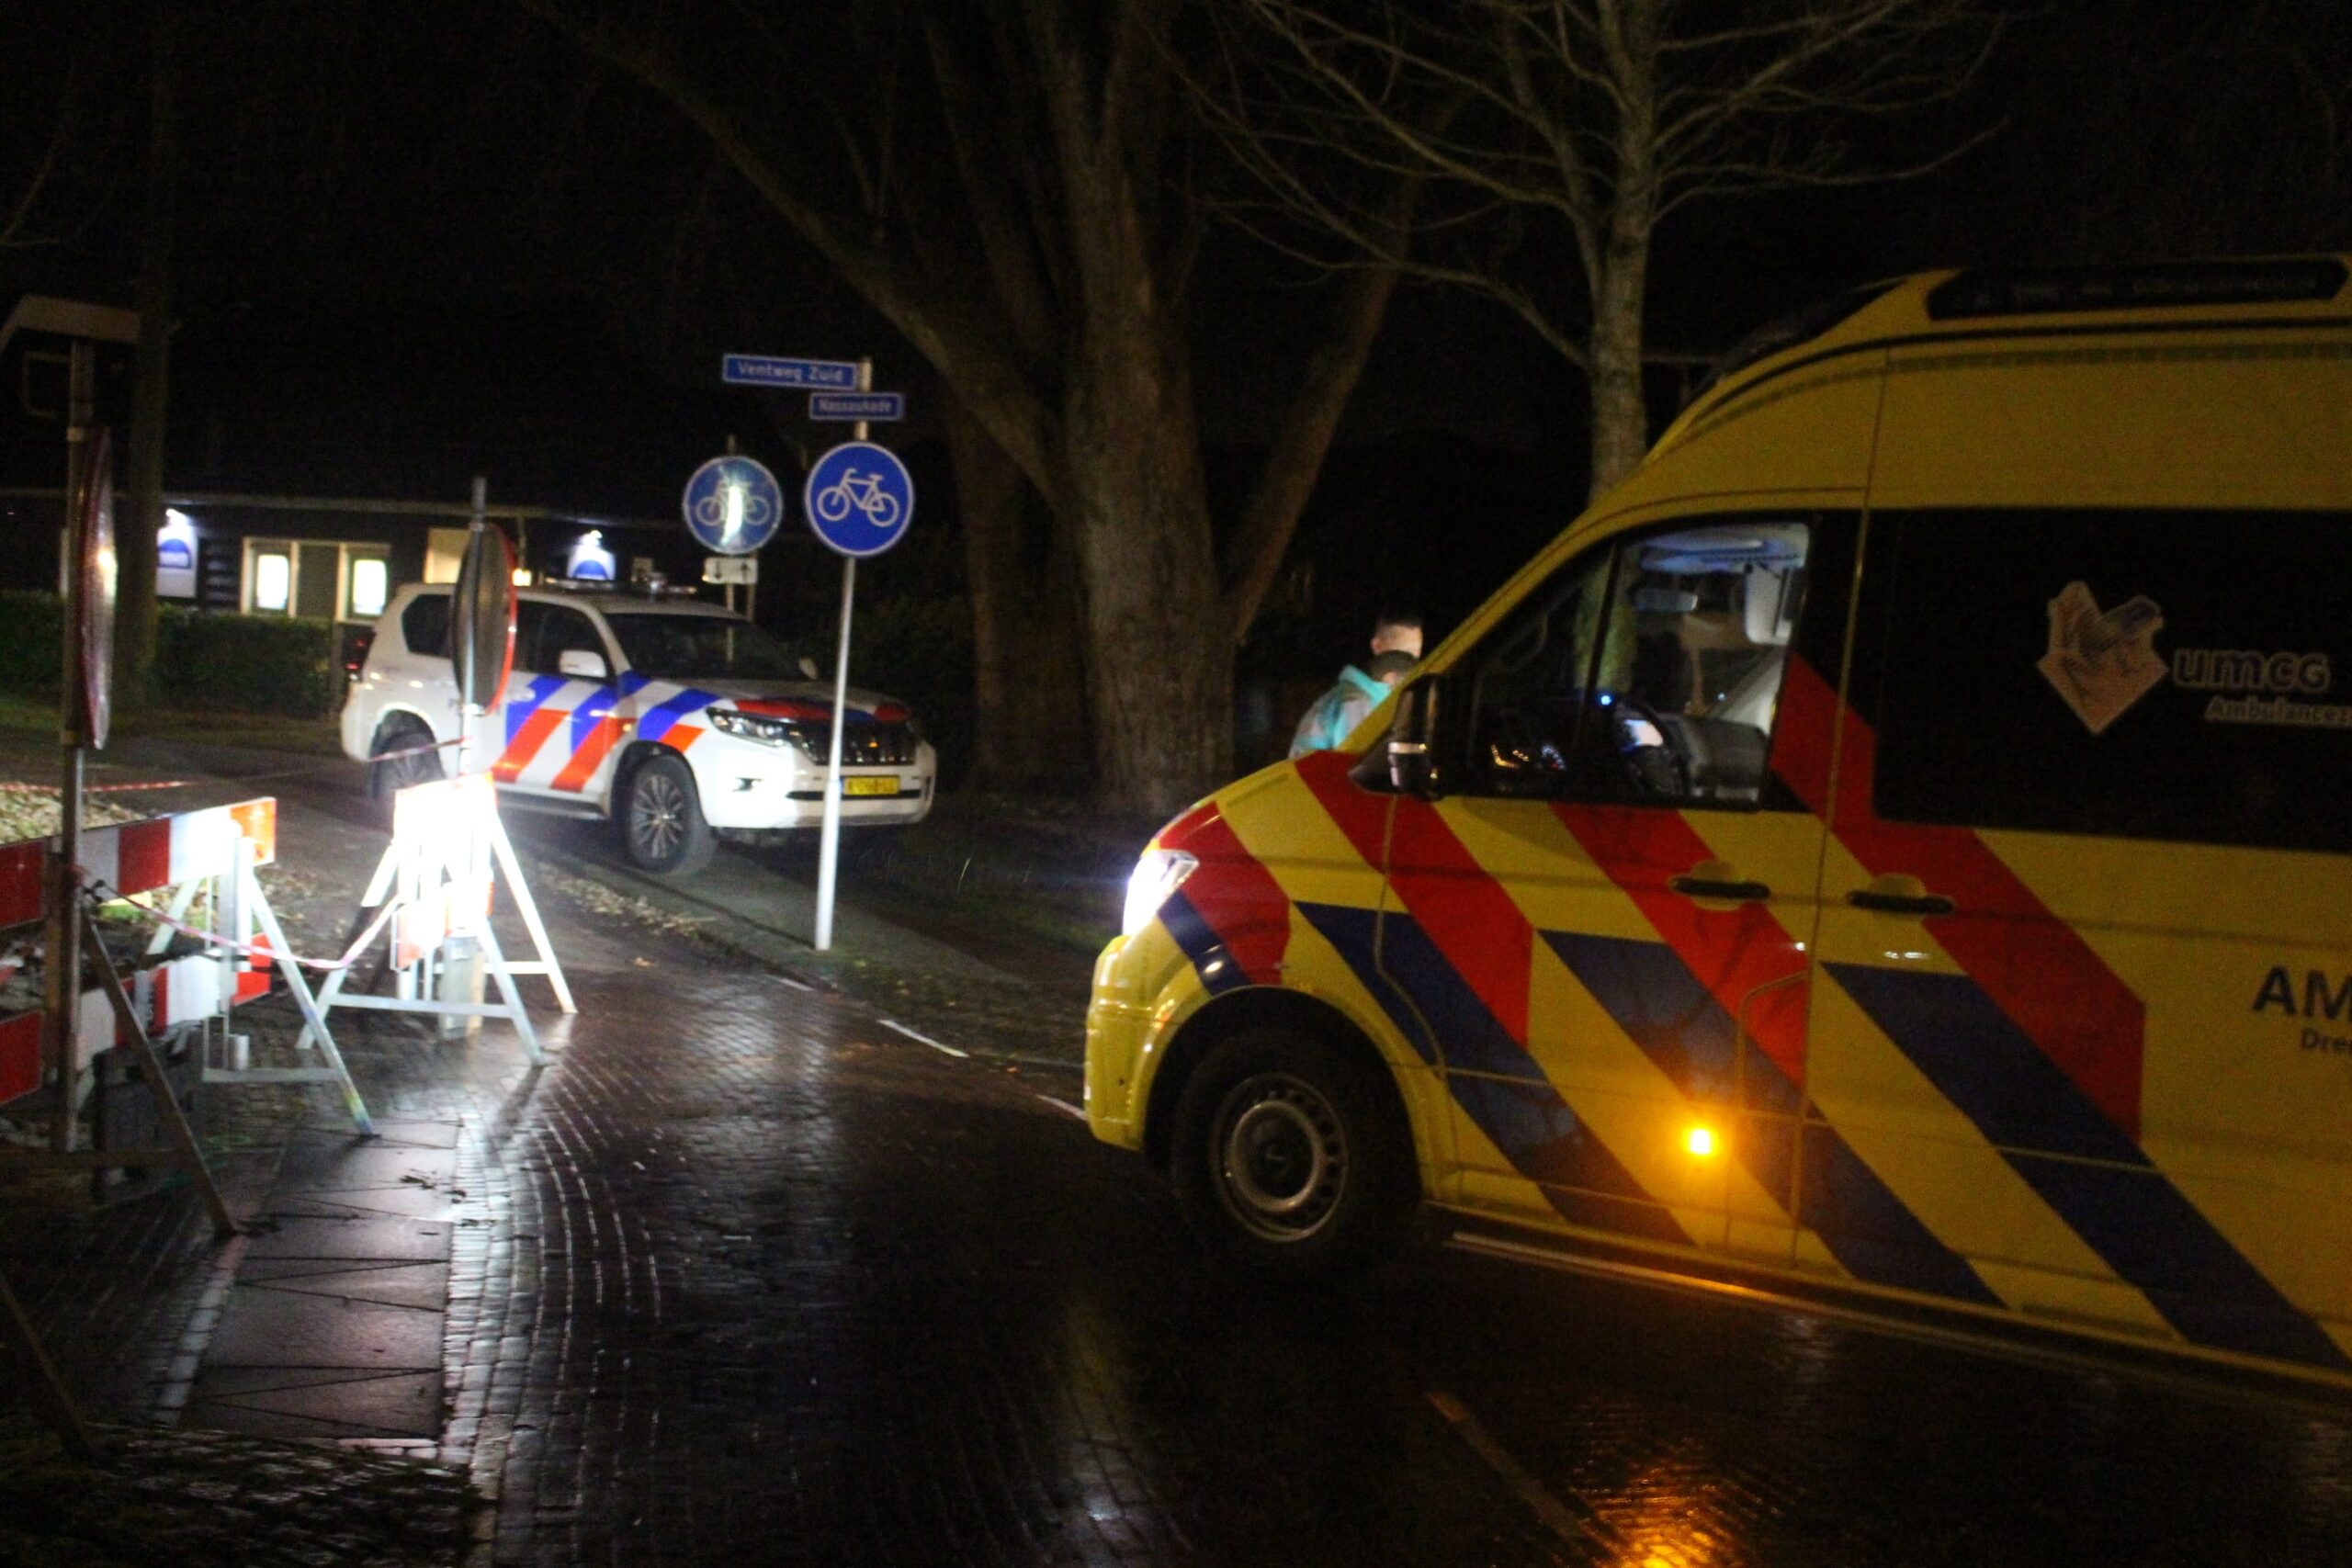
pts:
[235, 663]
[248, 663]
[31, 629]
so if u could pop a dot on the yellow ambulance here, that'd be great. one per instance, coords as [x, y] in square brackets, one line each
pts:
[1897, 844]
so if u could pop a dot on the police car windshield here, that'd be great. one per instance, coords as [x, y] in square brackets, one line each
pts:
[702, 647]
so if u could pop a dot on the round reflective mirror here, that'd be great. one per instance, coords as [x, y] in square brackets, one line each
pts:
[482, 620]
[94, 565]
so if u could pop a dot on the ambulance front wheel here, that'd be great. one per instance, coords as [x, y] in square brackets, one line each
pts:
[662, 829]
[1292, 1156]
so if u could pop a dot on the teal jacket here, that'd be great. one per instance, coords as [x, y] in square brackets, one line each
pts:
[1336, 712]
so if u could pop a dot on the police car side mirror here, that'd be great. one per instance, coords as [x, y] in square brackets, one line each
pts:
[581, 664]
[808, 668]
[1408, 760]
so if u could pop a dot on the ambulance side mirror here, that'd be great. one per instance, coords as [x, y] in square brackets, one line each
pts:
[1410, 760]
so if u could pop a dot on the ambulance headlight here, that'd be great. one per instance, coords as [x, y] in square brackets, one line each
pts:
[754, 727]
[1156, 875]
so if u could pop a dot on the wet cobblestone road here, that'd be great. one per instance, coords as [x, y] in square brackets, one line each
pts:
[749, 1277]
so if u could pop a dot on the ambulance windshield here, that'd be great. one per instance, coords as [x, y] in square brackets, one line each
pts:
[702, 647]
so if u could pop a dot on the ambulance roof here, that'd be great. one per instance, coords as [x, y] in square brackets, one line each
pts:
[2038, 301]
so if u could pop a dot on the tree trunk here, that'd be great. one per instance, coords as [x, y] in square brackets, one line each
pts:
[1160, 666]
[1029, 683]
[134, 634]
[1620, 416]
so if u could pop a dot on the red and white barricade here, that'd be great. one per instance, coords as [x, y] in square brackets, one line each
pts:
[212, 853]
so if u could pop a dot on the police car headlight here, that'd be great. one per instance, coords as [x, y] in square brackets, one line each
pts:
[753, 726]
[1156, 875]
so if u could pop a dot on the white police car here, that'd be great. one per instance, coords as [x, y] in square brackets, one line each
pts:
[674, 719]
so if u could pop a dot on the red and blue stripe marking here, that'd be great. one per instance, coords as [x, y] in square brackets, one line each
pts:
[2040, 1044]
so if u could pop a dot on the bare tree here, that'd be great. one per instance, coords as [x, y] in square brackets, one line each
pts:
[59, 157]
[1550, 138]
[1010, 185]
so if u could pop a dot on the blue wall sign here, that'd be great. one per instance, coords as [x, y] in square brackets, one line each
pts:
[732, 505]
[860, 498]
[772, 370]
[843, 406]
[591, 561]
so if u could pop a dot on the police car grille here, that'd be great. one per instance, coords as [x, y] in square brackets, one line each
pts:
[865, 745]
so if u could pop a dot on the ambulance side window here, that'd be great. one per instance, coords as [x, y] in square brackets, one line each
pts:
[1648, 672]
[2161, 674]
[1528, 685]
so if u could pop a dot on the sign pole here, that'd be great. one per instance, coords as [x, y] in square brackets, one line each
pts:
[465, 706]
[829, 842]
[63, 948]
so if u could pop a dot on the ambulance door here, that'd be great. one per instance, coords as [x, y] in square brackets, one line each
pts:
[2087, 930]
[1606, 918]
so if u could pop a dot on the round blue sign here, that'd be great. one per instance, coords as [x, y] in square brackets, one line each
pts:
[860, 497]
[733, 505]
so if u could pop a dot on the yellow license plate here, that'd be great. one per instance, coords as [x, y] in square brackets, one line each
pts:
[869, 787]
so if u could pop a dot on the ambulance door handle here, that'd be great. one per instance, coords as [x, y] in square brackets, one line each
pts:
[1733, 892]
[1900, 903]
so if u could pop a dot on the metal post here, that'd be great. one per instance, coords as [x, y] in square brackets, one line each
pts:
[829, 844]
[465, 708]
[728, 591]
[64, 989]
[828, 839]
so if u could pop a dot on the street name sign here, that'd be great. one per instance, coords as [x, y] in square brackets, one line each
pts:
[775, 370]
[839, 407]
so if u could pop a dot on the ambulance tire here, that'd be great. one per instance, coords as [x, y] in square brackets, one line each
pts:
[399, 733]
[662, 827]
[1292, 1157]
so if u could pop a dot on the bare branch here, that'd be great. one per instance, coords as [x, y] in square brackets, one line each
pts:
[1600, 116]
[967, 348]
[1254, 550]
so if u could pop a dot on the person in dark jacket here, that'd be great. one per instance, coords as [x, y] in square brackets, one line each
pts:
[1336, 713]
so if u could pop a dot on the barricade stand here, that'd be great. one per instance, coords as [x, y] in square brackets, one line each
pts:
[435, 883]
[242, 912]
[212, 854]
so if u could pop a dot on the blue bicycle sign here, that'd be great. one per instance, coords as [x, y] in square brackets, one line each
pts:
[860, 497]
[732, 505]
[863, 491]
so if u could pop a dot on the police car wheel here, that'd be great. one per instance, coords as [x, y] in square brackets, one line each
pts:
[1291, 1157]
[662, 825]
[395, 773]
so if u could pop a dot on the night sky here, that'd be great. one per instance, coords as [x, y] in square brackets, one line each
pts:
[420, 243]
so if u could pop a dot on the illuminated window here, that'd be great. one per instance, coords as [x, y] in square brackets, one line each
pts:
[370, 583]
[273, 581]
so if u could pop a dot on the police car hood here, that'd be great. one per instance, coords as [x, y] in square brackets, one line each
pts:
[811, 700]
